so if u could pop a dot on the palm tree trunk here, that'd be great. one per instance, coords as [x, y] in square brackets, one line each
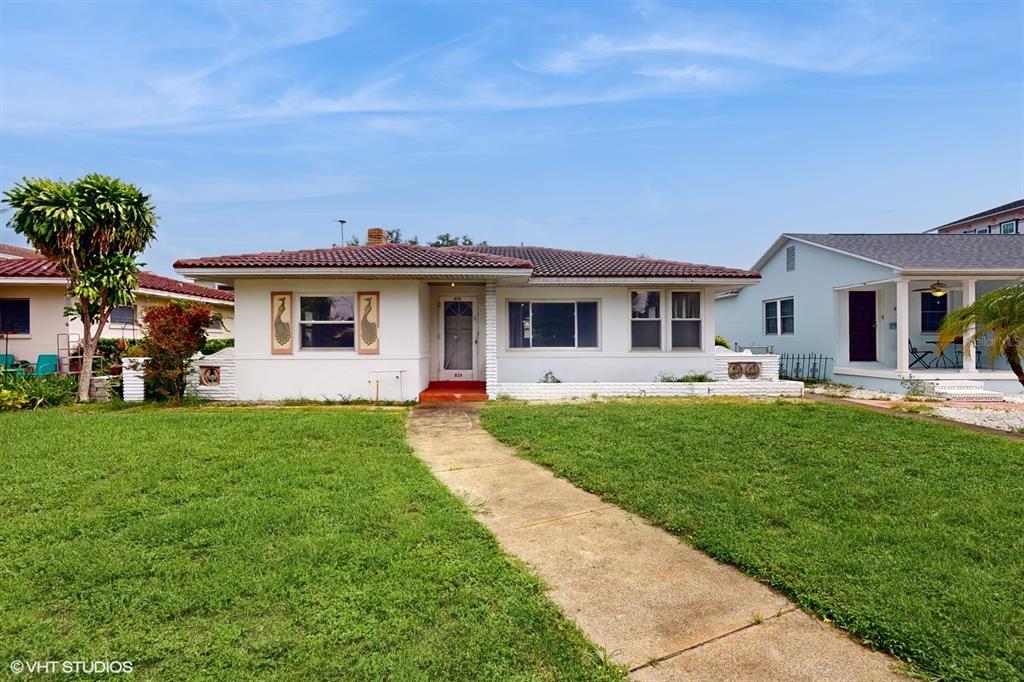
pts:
[1012, 352]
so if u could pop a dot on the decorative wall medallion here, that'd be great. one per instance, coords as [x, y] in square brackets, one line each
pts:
[209, 376]
[735, 370]
[752, 370]
[369, 322]
[281, 323]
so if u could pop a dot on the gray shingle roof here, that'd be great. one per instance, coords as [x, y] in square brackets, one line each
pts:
[1019, 203]
[939, 251]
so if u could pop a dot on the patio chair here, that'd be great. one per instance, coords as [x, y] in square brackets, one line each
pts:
[6, 361]
[919, 357]
[45, 365]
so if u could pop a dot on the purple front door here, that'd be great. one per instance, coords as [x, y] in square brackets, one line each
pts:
[862, 326]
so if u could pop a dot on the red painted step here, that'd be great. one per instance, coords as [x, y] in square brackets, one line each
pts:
[454, 392]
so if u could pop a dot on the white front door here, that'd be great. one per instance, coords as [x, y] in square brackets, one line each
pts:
[457, 339]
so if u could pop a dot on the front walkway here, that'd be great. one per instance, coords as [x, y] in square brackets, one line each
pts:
[656, 605]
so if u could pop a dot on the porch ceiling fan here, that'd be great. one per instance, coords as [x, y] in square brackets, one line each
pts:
[938, 289]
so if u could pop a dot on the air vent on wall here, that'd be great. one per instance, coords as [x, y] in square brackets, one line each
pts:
[790, 258]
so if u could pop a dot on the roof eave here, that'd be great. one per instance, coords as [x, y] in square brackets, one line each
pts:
[266, 272]
[733, 282]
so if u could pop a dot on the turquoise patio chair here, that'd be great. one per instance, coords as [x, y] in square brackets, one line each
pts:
[45, 365]
[6, 361]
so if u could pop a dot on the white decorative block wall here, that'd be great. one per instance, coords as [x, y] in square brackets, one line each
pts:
[661, 389]
[769, 365]
[220, 365]
[133, 387]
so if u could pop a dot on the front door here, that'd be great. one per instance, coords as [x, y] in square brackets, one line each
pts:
[863, 344]
[458, 339]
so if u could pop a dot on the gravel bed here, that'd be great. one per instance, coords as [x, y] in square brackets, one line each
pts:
[1004, 420]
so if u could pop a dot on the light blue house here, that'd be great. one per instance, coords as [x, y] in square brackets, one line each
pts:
[873, 303]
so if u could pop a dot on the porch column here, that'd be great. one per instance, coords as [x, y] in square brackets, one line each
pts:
[969, 356]
[491, 340]
[902, 325]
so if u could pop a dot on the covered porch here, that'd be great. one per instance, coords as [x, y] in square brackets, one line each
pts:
[887, 333]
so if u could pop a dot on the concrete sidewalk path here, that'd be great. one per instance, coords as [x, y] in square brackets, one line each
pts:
[655, 604]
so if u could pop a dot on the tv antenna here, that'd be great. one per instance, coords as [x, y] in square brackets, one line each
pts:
[342, 222]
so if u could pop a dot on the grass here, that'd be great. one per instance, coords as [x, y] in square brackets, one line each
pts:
[908, 533]
[246, 543]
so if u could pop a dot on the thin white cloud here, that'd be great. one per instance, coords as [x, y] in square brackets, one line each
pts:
[852, 41]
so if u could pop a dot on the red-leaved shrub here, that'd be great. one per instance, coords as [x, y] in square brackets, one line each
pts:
[175, 331]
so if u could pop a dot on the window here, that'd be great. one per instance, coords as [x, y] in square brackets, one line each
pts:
[779, 317]
[123, 314]
[552, 324]
[14, 316]
[646, 319]
[933, 311]
[327, 321]
[791, 258]
[216, 322]
[686, 319]
[1009, 227]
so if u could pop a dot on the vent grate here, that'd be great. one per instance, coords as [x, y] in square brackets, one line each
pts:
[790, 258]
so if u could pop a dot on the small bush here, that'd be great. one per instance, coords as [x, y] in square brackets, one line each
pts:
[27, 391]
[215, 345]
[549, 378]
[689, 378]
[176, 332]
[722, 341]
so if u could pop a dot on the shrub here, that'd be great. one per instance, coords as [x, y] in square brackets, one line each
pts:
[27, 391]
[690, 378]
[722, 341]
[214, 345]
[549, 378]
[176, 332]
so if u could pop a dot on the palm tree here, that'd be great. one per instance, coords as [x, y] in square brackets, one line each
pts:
[999, 313]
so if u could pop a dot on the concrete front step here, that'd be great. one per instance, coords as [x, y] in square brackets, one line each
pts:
[963, 389]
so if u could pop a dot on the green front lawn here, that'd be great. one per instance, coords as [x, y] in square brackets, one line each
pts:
[233, 543]
[909, 534]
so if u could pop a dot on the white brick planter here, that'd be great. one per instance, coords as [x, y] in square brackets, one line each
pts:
[133, 386]
[660, 389]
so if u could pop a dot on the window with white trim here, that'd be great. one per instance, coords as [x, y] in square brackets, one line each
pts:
[645, 325]
[552, 324]
[1008, 227]
[779, 317]
[933, 312]
[686, 321]
[327, 322]
[14, 316]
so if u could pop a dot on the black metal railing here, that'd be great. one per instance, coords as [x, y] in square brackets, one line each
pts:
[805, 367]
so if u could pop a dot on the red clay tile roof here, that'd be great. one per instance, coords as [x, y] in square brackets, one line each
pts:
[148, 280]
[28, 267]
[42, 267]
[548, 262]
[19, 251]
[544, 262]
[376, 256]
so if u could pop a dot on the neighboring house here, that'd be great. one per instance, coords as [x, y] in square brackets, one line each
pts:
[33, 298]
[1005, 219]
[874, 302]
[387, 320]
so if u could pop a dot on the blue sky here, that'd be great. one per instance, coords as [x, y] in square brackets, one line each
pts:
[689, 131]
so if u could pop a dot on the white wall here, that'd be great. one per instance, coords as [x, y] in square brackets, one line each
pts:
[331, 374]
[817, 315]
[612, 360]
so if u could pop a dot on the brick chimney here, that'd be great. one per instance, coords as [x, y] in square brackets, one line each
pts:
[376, 235]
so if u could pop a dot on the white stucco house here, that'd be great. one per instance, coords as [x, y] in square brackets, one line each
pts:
[33, 296]
[391, 321]
[873, 303]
